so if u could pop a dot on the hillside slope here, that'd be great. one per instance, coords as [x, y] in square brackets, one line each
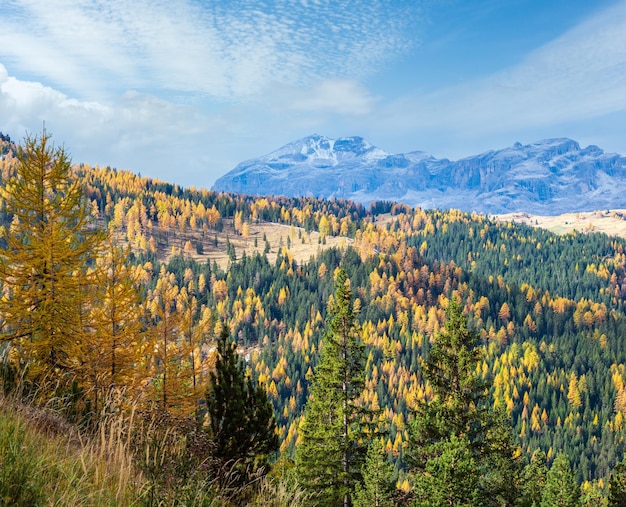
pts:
[549, 308]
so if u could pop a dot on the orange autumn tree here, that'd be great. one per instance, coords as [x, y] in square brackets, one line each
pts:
[195, 325]
[44, 266]
[110, 355]
[170, 388]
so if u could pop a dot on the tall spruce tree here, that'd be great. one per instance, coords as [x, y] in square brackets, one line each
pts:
[617, 485]
[241, 418]
[44, 266]
[332, 449]
[378, 486]
[534, 480]
[561, 489]
[459, 419]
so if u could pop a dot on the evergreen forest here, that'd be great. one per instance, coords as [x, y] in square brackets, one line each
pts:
[363, 355]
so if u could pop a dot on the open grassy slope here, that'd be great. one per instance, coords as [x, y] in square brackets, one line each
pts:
[611, 222]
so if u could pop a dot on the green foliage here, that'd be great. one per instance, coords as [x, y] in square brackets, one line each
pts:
[501, 467]
[241, 420]
[593, 495]
[331, 454]
[561, 489]
[451, 476]
[617, 486]
[534, 480]
[378, 486]
[20, 482]
[459, 420]
[520, 254]
[459, 406]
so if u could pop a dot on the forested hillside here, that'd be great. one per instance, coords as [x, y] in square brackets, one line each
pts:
[186, 266]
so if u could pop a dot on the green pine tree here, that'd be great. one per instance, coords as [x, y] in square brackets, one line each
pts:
[617, 486]
[378, 484]
[451, 476]
[592, 495]
[500, 467]
[241, 418]
[561, 489]
[534, 480]
[331, 452]
[460, 414]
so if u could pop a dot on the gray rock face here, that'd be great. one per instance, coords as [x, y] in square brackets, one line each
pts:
[548, 177]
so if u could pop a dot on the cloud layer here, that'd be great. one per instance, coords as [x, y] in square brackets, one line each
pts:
[184, 90]
[224, 49]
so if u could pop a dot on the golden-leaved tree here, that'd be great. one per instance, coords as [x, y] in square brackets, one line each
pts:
[44, 266]
[170, 369]
[195, 325]
[109, 357]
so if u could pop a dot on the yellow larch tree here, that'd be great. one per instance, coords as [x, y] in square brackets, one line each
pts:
[109, 357]
[44, 266]
[170, 388]
[196, 325]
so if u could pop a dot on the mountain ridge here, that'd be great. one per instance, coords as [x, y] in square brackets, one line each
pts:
[551, 176]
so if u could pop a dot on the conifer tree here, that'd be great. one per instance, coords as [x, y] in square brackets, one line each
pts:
[593, 495]
[561, 489]
[241, 418]
[451, 476]
[534, 480]
[169, 389]
[194, 326]
[617, 485]
[44, 268]
[459, 418]
[331, 452]
[378, 486]
[110, 354]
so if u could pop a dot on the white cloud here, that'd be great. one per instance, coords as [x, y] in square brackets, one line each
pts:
[181, 89]
[228, 49]
[138, 131]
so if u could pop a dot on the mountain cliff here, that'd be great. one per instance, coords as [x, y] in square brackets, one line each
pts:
[547, 177]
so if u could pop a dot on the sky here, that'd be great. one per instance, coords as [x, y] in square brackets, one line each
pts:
[184, 90]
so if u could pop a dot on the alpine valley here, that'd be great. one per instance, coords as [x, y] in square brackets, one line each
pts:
[162, 345]
[548, 177]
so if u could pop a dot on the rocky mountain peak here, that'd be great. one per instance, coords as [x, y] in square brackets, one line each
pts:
[550, 176]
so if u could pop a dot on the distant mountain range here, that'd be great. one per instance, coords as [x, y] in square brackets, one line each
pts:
[548, 177]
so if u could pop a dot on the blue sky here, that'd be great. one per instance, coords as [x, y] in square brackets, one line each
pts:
[183, 90]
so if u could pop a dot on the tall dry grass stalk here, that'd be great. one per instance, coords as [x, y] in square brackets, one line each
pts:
[109, 458]
[76, 466]
[280, 492]
[127, 458]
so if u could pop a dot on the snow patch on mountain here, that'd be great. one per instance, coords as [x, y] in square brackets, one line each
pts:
[547, 177]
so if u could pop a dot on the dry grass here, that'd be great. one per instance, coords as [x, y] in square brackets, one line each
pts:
[46, 461]
[611, 222]
[296, 240]
[131, 459]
